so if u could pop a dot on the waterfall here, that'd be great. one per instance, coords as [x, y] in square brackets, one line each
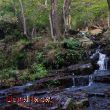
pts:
[90, 80]
[103, 59]
[102, 62]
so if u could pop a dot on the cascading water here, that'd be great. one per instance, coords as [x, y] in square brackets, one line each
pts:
[102, 62]
[73, 80]
[90, 80]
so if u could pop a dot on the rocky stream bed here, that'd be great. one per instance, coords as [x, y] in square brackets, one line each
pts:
[87, 91]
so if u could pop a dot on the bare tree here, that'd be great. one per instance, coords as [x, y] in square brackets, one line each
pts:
[66, 15]
[46, 3]
[55, 31]
[23, 17]
[108, 1]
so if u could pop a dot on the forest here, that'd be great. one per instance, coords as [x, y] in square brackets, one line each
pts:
[54, 54]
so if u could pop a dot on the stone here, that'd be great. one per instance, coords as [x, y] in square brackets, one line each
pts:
[103, 78]
[81, 69]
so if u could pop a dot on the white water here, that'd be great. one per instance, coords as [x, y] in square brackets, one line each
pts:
[102, 61]
[90, 80]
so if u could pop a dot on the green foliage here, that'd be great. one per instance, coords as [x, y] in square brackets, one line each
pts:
[36, 13]
[37, 71]
[7, 12]
[68, 57]
[7, 73]
[53, 45]
[71, 43]
[71, 53]
[59, 59]
[39, 57]
[85, 12]
[24, 76]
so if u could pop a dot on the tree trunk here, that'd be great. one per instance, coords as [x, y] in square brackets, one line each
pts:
[108, 1]
[55, 32]
[66, 15]
[108, 19]
[23, 17]
[32, 33]
[46, 3]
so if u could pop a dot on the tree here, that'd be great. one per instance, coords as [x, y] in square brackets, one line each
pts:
[66, 15]
[23, 18]
[55, 32]
[46, 3]
[108, 1]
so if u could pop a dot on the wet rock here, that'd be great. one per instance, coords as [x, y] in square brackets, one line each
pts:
[81, 69]
[15, 91]
[97, 89]
[107, 92]
[81, 80]
[102, 77]
[94, 57]
[99, 103]
[80, 99]
[52, 82]
[96, 94]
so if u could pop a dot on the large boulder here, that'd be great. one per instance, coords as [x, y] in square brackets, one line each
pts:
[81, 69]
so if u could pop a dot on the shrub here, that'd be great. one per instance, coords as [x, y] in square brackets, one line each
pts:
[71, 44]
[71, 53]
[67, 57]
[37, 71]
[39, 57]
[59, 59]
[25, 76]
[7, 73]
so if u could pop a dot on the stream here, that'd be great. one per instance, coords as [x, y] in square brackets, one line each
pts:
[93, 89]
